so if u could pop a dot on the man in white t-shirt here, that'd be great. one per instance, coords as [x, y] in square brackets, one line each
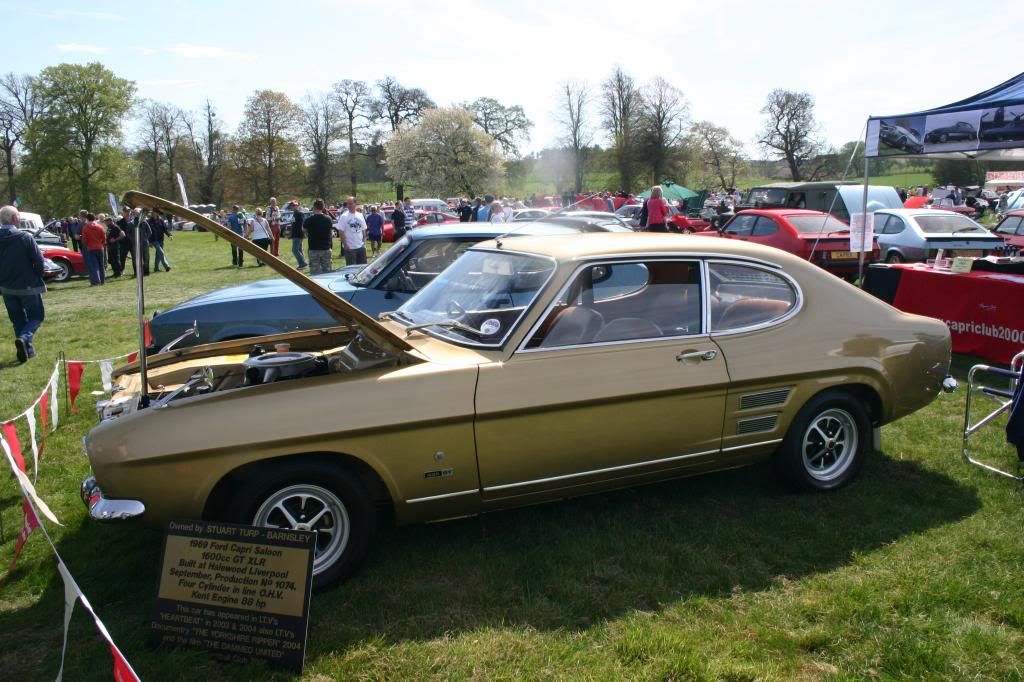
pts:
[352, 227]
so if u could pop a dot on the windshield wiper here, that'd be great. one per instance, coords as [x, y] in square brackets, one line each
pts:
[451, 324]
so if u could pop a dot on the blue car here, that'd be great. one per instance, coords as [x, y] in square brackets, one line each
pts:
[273, 306]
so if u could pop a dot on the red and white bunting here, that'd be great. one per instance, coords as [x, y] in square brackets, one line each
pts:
[54, 403]
[27, 489]
[30, 417]
[30, 523]
[75, 369]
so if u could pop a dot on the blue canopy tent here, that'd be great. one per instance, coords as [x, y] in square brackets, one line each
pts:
[986, 127]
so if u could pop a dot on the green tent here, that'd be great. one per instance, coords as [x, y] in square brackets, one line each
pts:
[672, 191]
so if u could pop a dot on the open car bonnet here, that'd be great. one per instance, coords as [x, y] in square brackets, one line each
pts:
[338, 308]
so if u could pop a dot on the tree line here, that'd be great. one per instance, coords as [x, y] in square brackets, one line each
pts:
[62, 135]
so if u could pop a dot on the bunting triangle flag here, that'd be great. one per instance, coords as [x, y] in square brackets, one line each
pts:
[54, 403]
[44, 409]
[75, 370]
[30, 417]
[30, 523]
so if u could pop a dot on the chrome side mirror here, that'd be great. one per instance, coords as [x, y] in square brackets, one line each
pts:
[193, 331]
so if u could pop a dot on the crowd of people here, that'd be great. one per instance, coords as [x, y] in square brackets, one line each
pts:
[106, 241]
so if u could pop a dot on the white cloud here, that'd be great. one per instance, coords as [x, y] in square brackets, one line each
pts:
[82, 47]
[192, 51]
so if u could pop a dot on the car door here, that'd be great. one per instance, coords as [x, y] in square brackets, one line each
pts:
[617, 380]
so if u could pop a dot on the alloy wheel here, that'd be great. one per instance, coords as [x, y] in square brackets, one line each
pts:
[313, 508]
[829, 444]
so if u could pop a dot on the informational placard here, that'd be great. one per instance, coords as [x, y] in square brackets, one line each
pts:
[236, 590]
[862, 237]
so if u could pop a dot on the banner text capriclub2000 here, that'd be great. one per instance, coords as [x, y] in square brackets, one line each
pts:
[990, 330]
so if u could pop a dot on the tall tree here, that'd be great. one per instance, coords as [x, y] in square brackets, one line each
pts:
[445, 154]
[356, 102]
[206, 140]
[267, 136]
[19, 107]
[400, 105]
[574, 99]
[162, 132]
[720, 152]
[508, 125]
[86, 106]
[620, 107]
[790, 131]
[321, 127]
[663, 119]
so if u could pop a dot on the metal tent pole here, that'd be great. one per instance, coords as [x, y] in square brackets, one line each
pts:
[139, 275]
[864, 209]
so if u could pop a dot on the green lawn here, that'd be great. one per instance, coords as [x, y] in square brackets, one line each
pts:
[912, 572]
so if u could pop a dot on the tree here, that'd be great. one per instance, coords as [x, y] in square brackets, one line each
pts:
[574, 98]
[207, 145]
[19, 107]
[720, 152]
[86, 106]
[508, 125]
[620, 107]
[962, 173]
[663, 118]
[400, 106]
[445, 154]
[790, 130]
[266, 139]
[321, 127]
[356, 102]
[163, 132]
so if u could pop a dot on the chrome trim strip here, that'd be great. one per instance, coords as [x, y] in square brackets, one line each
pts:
[676, 255]
[613, 260]
[598, 471]
[752, 445]
[431, 498]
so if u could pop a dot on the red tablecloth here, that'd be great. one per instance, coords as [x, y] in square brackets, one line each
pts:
[984, 310]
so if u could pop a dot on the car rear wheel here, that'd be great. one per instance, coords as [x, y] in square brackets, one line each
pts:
[313, 496]
[893, 257]
[65, 270]
[943, 137]
[826, 444]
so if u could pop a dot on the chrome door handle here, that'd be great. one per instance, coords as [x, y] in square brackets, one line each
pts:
[704, 355]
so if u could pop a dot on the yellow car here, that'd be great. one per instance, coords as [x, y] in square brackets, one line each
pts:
[532, 369]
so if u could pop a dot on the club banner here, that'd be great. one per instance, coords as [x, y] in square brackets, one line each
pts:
[989, 125]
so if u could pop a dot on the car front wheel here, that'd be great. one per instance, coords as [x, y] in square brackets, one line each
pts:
[313, 496]
[826, 444]
[65, 270]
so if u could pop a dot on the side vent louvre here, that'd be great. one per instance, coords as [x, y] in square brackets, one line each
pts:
[757, 424]
[765, 399]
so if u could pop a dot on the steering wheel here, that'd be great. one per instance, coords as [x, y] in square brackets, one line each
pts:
[455, 308]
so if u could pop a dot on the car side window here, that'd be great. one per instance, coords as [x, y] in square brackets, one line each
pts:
[893, 225]
[425, 263]
[741, 225]
[1009, 226]
[615, 302]
[764, 227]
[743, 296]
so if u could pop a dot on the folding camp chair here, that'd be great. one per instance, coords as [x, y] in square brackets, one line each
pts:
[1005, 400]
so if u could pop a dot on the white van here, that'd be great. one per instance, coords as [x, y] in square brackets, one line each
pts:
[430, 205]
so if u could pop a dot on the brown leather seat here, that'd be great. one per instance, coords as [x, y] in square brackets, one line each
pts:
[574, 325]
[627, 329]
[750, 311]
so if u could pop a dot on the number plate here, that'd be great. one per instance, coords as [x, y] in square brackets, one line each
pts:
[843, 255]
[967, 253]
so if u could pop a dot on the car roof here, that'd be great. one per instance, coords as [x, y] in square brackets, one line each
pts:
[914, 212]
[582, 246]
[556, 224]
[783, 211]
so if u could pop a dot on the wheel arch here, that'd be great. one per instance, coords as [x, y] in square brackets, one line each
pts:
[225, 488]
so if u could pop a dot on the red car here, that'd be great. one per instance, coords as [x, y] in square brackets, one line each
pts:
[800, 232]
[70, 262]
[434, 218]
[1011, 228]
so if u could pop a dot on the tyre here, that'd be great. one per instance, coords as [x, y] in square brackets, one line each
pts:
[894, 257]
[65, 270]
[316, 496]
[826, 444]
[943, 137]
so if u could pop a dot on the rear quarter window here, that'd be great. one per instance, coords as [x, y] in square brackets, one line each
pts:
[743, 296]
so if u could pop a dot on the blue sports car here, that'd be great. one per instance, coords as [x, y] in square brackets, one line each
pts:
[276, 305]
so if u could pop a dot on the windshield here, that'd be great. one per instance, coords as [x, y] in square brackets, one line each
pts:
[767, 196]
[814, 224]
[483, 292]
[945, 224]
[366, 275]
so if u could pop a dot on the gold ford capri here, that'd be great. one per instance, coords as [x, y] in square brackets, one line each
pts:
[532, 369]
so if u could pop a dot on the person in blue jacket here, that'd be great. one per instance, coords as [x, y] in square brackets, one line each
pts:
[21, 281]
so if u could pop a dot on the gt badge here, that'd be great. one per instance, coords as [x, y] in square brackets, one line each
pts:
[439, 473]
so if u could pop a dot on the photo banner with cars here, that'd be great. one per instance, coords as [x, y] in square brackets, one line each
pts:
[989, 125]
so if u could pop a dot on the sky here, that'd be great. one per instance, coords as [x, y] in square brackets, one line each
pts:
[855, 58]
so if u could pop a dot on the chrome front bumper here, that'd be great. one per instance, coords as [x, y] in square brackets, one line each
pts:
[103, 509]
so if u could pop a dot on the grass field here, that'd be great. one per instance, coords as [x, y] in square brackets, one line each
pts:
[913, 572]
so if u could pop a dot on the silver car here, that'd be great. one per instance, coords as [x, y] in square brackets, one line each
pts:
[906, 234]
